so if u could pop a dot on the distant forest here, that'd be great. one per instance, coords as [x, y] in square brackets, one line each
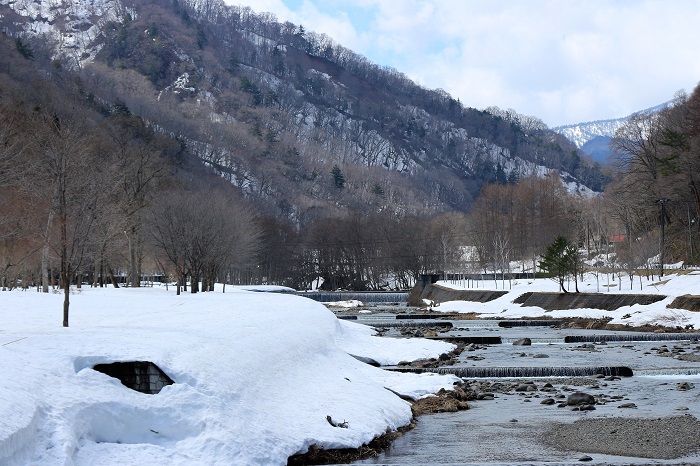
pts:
[207, 143]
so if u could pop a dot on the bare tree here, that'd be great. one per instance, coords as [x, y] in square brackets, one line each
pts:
[137, 167]
[64, 158]
[202, 233]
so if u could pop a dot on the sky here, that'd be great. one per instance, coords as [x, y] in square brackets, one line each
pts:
[563, 61]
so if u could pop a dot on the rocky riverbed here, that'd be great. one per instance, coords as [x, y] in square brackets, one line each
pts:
[649, 418]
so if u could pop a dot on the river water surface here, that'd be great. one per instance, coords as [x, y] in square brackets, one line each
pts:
[509, 428]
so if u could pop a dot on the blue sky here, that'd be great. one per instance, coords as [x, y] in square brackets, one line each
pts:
[564, 61]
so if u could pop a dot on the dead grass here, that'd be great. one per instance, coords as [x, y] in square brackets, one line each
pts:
[319, 455]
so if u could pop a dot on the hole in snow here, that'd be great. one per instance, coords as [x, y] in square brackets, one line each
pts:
[142, 376]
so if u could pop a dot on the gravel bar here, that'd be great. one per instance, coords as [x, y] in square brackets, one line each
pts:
[658, 438]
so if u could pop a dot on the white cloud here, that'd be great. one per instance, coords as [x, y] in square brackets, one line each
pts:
[562, 61]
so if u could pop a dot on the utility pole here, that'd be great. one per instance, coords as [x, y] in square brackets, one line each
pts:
[662, 223]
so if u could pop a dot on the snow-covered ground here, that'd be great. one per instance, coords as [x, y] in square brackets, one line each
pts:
[256, 373]
[671, 286]
[255, 376]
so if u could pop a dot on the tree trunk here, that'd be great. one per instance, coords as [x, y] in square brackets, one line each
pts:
[64, 257]
[133, 266]
[45, 268]
[113, 279]
[95, 274]
[66, 302]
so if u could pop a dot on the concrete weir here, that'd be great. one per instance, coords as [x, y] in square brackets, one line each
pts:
[517, 372]
[529, 323]
[477, 340]
[632, 337]
[400, 324]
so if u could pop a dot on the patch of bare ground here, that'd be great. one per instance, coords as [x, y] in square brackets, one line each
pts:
[604, 324]
[443, 401]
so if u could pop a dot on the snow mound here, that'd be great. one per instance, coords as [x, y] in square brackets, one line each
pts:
[255, 376]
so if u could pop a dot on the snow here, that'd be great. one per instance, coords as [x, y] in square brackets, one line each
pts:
[671, 286]
[74, 26]
[256, 374]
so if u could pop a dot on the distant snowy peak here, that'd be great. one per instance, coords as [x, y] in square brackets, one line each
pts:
[581, 133]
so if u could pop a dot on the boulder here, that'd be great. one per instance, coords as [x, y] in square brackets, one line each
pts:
[580, 398]
[522, 342]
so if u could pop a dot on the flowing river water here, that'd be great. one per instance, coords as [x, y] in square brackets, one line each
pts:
[510, 428]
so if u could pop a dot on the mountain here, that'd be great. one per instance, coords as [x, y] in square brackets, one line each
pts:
[594, 137]
[301, 125]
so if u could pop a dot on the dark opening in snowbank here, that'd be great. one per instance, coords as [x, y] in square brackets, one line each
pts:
[142, 376]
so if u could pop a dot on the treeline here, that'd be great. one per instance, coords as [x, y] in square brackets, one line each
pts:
[658, 188]
[388, 249]
[91, 192]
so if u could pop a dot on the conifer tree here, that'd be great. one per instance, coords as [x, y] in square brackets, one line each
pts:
[338, 177]
[561, 260]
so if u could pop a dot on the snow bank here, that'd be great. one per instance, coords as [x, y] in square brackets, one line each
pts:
[671, 286]
[256, 375]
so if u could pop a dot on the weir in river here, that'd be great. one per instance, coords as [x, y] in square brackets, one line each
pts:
[529, 323]
[517, 372]
[412, 324]
[365, 297]
[632, 336]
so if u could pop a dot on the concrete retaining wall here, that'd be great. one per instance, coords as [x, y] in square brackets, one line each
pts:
[687, 302]
[441, 294]
[547, 301]
[608, 302]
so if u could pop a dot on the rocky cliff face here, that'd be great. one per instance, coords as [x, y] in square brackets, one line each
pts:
[274, 108]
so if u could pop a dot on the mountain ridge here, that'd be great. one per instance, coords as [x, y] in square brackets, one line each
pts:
[593, 137]
[273, 108]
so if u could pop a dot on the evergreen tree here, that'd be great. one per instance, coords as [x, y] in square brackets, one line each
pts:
[561, 260]
[24, 49]
[338, 177]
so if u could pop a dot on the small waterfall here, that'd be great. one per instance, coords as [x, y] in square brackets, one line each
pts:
[377, 317]
[426, 316]
[534, 340]
[529, 323]
[406, 324]
[668, 371]
[631, 337]
[492, 324]
[366, 297]
[518, 372]
[477, 340]
[347, 317]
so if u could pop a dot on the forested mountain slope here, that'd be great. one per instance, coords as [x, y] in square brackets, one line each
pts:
[303, 126]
